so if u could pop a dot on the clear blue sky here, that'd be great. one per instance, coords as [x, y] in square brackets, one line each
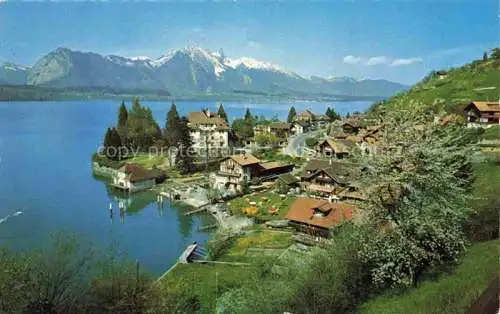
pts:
[396, 40]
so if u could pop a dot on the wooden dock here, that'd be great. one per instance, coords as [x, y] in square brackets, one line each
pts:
[184, 258]
[194, 211]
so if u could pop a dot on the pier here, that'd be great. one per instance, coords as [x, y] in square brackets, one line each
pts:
[194, 211]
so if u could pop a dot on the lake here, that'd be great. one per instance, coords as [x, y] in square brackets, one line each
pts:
[45, 173]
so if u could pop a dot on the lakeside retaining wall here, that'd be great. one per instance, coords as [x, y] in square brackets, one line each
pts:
[103, 171]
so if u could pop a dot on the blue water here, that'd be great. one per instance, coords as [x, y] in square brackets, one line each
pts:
[45, 150]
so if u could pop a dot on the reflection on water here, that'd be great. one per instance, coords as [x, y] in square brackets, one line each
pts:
[122, 204]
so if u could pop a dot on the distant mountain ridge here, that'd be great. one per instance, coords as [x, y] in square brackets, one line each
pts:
[184, 71]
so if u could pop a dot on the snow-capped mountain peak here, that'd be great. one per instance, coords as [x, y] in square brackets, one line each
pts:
[140, 58]
[251, 63]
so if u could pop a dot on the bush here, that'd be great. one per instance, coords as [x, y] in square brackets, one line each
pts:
[311, 142]
[220, 244]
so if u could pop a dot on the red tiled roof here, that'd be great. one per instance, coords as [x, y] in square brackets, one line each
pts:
[303, 211]
[136, 173]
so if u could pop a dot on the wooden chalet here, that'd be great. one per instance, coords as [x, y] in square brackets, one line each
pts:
[337, 180]
[318, 217]
[483, 112]
[235, 171]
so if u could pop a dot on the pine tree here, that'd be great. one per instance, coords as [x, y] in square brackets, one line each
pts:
[112, 144]
[332, 114]
[184, 160]
[122, 115]
[122, 126]
[248, 115]
[172, 131]
[485, 56]
[292, 115]
[107, 138]
[222, 113]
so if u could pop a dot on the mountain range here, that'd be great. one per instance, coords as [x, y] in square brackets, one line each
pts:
[190, 70]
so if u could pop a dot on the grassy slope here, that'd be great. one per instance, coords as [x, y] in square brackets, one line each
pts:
[449, 294]
[460, 86]
[210, 281]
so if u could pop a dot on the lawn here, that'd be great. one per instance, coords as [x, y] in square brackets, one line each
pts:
[491, 133]
[260, 242]
[452, 293]
[207, 282]
[147, 161]
[264, 202]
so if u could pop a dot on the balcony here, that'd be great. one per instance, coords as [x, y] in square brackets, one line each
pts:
[228, 174]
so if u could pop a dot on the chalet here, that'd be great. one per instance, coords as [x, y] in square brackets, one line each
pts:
[300, 126]
[331, 179]
[272, 169]
[321, 121]
[441, 75]
[371, 134]
[280, 129]
[208, 131]
[306, 115]
[318, 217]
[288, 180]
[133, 178]
[483, 112]
[334, 148]
[351, 126]
[235, 170]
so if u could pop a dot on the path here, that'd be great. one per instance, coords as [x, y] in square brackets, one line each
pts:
[296, 143]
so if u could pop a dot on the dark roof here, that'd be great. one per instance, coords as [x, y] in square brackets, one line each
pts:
[316, 164]
[355, 123]
[288, 178]
[341, 172]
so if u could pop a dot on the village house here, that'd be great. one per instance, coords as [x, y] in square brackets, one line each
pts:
[335, 148]
[482, 112]
[314, 121]
[318, 217]
[280, 129]
[306, 115]
[351, 126]
[288, 180]
[260, 129]
[441, 75]
[133, 178]
[236, 170]
[332, 180]
[300, 126]
[208, 131]
[321, 121]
